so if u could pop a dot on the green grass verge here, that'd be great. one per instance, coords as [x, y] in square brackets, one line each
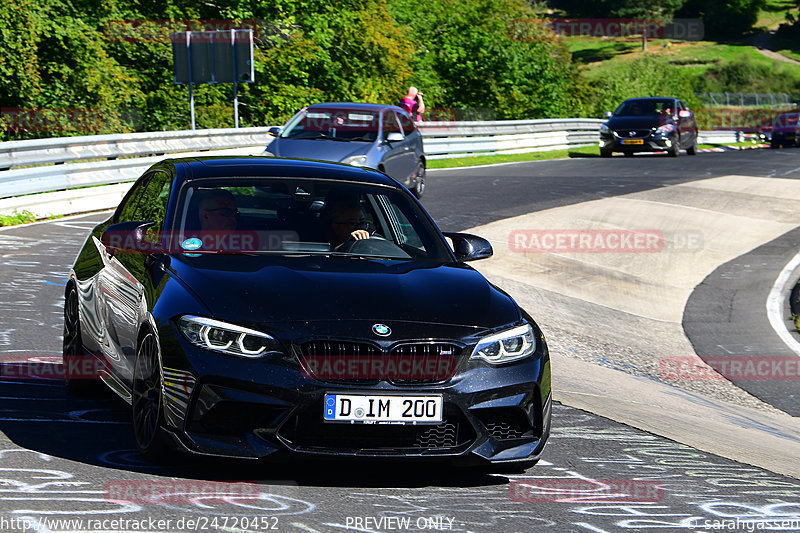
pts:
[584, 151]
[17, 218]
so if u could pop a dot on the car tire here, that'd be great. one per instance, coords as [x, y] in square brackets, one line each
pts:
[692, 150]
[605, 153]
[72, 352]
[675, 149]
[147, 405]
[419, 185]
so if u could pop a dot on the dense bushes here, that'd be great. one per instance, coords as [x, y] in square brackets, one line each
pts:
[61, 58]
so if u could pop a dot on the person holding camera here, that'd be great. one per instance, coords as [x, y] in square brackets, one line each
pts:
[413, 103]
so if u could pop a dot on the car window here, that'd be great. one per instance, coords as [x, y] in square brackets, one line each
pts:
[126, 212]
[632, 108]
[152, 205]
[406, 123]
[341, 124]
[390, 124]
[303, 216]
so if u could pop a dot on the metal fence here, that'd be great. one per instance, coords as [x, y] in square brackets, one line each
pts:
[61, 170]
[746, 100]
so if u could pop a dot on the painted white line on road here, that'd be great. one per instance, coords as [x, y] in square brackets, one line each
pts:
[775, 305]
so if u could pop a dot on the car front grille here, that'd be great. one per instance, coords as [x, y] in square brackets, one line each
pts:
[626, 134]
[307, 431]
[405, 364]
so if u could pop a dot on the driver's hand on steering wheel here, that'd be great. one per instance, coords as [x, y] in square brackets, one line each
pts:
[359, 234]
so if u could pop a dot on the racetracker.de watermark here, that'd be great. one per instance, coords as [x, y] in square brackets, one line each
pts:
[225, 241]
[179, 491]
[568, 490]
[603, 241]
[77, 119]
[394, 367]
[756, 368]
[160, 31]
[682, 29]
[24, 367]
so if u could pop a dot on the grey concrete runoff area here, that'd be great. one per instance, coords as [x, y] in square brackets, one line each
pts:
[653, 267]
[633, 305]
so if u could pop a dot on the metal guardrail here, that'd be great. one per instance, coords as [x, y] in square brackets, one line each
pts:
[65, 164]
[456, 139]
[65, 149]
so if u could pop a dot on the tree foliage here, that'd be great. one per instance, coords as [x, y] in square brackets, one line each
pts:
[647, 75]
[114, 59]
[729, 19]
[661, 10]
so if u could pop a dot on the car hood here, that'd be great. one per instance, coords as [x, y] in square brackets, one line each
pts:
[334, 296]
[319, 149]
[636, 123]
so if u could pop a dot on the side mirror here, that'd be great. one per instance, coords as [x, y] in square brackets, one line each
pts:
[394, 137]
[608, 114]
[469, 247]
[131, 237]
[274, 131]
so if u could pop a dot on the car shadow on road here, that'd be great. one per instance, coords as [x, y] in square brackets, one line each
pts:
[95, 429]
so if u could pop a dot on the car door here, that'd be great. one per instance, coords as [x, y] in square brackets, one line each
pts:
[125, 275]
[398, 158]
[686, 125]
[413, 139]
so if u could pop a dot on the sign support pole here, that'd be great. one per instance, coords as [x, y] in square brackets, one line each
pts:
[235, 79]
[189, 67]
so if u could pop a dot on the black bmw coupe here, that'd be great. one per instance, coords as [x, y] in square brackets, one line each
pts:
[259, 307]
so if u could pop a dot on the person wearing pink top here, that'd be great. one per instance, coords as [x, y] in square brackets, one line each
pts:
[413, 103]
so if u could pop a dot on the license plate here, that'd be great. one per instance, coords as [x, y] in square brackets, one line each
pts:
[632, 141]
[382, 409]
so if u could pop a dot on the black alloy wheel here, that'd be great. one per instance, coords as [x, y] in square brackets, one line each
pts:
[148, 400]
[72, 352]
[692, 150]
[419, 186]
[675, 149]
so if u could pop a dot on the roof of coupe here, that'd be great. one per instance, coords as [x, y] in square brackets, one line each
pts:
[226, 166]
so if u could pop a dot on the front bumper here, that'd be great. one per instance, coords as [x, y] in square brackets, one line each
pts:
[222, 406]
[654, 142]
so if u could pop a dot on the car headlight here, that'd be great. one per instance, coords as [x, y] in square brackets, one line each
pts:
[356, 160]
[666, 128]
[227, 338]
[506, 346]
[605, 129]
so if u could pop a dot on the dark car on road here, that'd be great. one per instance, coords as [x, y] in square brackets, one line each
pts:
[785, 131]
[264, 307]
[382, 137]
[649, 125]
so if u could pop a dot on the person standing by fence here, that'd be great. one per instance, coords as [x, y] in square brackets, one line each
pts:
[413, 103]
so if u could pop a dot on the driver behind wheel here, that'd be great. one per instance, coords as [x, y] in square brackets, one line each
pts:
[347, 221]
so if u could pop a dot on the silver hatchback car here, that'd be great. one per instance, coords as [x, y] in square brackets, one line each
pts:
[382, 137]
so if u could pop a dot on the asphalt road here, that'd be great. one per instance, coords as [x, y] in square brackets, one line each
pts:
[67, 458]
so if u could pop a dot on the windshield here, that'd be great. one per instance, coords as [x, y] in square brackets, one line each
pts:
[291, 216]
[335, 123]
[634, 108]
[787, 119]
